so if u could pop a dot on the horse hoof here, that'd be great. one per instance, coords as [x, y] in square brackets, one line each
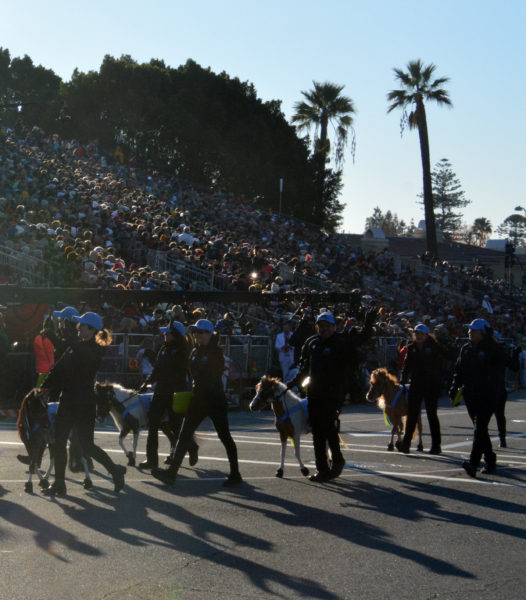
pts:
[44, 484]
[28, 487]
[420, 448]
[305, 471]
[390, 447]
[88, 484]
[279, 473]
[131, 461]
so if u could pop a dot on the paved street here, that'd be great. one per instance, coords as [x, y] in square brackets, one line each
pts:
[392, 526]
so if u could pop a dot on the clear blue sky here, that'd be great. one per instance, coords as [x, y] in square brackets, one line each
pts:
[281, 46]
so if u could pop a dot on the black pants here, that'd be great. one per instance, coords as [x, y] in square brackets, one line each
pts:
[161, 405]
[481, 413]
[82, 417]
[323, 416]
[414, 401]
[502, 396]
[198, 410]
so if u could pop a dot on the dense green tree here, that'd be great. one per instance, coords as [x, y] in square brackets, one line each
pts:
[389, 223]
[514, 228]
[28, 93]
[418, 87]
[448, 196]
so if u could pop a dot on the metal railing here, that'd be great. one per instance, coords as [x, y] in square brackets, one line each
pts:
[35, 270]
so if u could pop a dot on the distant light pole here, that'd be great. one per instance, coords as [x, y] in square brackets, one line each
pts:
[280, 193]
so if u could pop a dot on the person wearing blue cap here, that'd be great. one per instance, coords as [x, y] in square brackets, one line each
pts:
[74, 375]
[67, 333]
[423, 366]
[170, 375]
[477, 372]
[326, 359]
[207, 365]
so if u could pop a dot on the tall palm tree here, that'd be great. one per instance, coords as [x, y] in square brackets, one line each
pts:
[324, 105]
[417, 88]
[481, 230]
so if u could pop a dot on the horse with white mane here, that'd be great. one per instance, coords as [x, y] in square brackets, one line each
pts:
[129, 411]
[290, 413]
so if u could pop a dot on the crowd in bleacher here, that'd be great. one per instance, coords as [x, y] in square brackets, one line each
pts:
[84, 219]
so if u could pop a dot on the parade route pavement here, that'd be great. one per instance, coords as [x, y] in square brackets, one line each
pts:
[392, 526]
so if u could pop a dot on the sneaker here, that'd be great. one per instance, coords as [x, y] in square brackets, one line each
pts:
[118, 478]
[57, 489]
[469, 468]
[489, 469]
[436, 451]
[336, 469]
[164, 475]
[147, 465]
[232, 480]
[401, 447]
[319, 477]
[193, 456]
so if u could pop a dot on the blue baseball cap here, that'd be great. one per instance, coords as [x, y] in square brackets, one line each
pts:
[175, 326]
[66, 313]
[422, 328]
[204, 325]
[90, 318]
[326, 316]
[479, 325]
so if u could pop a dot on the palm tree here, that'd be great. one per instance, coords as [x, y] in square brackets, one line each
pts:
[324, 106]
[481, 230]
[418, 88]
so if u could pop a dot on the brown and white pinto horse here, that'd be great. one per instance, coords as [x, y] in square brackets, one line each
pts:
[391, 397]
[289, 412]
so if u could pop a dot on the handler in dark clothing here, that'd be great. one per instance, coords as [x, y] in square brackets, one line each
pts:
[74, 374]
[207, 364]
[66, 337]
[423, 366]
[477, 371]
[170, 374]
[325, 358]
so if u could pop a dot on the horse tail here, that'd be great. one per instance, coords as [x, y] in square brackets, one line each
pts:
[21, 421]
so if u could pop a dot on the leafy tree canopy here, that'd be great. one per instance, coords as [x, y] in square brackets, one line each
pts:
[448, 197]
[207, 128]
[389, 223]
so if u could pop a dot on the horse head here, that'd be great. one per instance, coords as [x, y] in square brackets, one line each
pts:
[377, 384]
[264, 393]
[33, 410]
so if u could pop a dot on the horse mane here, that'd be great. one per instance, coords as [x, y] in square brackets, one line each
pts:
[384, 372]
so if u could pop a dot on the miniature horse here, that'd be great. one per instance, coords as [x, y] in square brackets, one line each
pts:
[290, 414]
[129, 411]
[391, 397]
[35, 424]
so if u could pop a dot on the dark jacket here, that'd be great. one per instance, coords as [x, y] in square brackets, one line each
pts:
[424, 365]
[326, 362]
[479, 371]
[207, 365]
[74, 373]
[170, 371]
